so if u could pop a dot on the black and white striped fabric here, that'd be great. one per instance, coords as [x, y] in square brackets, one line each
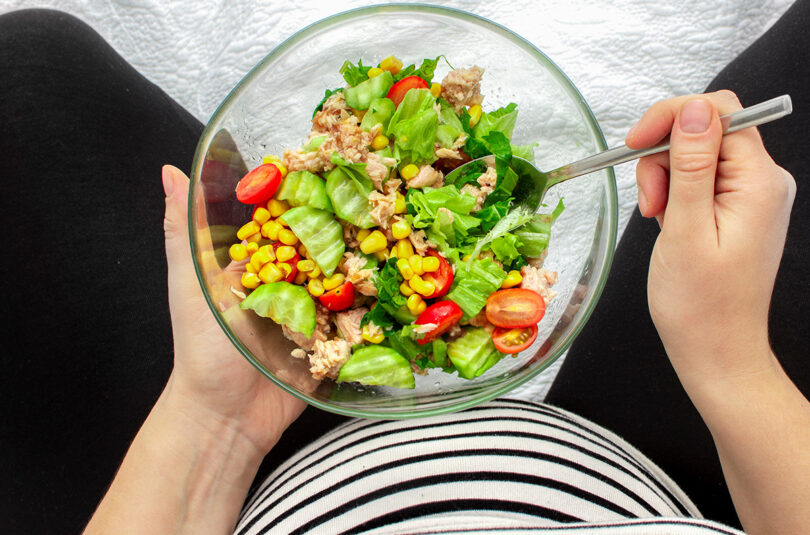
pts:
[504, 467]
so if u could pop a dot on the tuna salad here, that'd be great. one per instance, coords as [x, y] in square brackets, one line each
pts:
[376, 261]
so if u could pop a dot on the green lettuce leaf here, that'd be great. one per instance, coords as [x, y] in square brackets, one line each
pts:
[506, 248]
[425, 70]
[490, 215]
[473, 283]
[501, 120]
[354, 74]
[414, 126]
[473, 353]
[425, 204]
[534, 235]
[524, 151]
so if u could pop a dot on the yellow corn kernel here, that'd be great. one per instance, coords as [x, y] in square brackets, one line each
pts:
[416, 264]
[405, 269]
[237, 252]
[284, 253]
[315, 287]
[287, 237]
[401, 229]
[300, 278]
[393, 252]
[261, 215]
[405, 289]
[283, 223]
[302, 250]
[334, 281]
[250, 280]
[382, 256]
[374, 71]
[271, 158]
[409, 171]
[421, 286]
[363, 233]
[281, 169]
[252, 247]
[435, 89]
[430, 264]
[248, 229]
[404, 249]
[270, 273]
[260, 258]
[399, 206]
[375, 336]
[315, 273]
[374, 242]
[416, 304]
[475, 114]
[305, 265]
[254, 238]
[271, 229]
[391, 64]
[249, 267]
[513, 278]
[285, 268]
[379, 142]
[277, 207]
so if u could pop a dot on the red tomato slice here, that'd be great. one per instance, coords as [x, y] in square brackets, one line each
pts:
[443, 314]
[515, 308]
[259, 185]
[339, 298]
[514, 340]
[293, 262]
[398, 90]
[442, 278]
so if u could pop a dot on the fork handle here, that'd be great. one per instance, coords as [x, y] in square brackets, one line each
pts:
[758, 114]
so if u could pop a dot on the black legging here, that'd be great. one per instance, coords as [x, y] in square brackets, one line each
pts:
[87, 334]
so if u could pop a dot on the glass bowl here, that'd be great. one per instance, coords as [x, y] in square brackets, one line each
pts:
[271, 109]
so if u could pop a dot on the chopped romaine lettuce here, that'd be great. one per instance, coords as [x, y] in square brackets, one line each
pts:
[379, 112]
[286, 304]
[535, 234]
[388, 295]
[414, 127]
[354, 74]
[506, 248]
[501, 120]
[402, 342]
[473, 353]
[377, 365]
[425, 204]
[449, 125]
[320, 234]
[361, 96]
[439, 352]
[473, 283]
[425, 70]
[302, 188]
[524, 151]
[349, 196]
[514, 219]
[490, 215]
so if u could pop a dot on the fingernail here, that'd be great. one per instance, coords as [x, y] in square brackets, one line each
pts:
[168, 180]
[696, 116]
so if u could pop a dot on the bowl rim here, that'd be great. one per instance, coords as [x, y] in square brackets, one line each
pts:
[212, 127]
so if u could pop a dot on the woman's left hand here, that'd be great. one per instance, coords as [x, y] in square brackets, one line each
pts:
[212, 382]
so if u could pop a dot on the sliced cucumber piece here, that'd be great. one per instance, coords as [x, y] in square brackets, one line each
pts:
[302, 188]
[360, 96]
[284, 303]
[377, 365]
[348, 201]
[471, 352]
[320, 234]
[379, 112]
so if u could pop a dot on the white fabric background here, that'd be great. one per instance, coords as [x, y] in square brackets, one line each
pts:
[622, 54]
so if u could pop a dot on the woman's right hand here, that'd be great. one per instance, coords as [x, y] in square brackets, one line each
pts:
[723, 206]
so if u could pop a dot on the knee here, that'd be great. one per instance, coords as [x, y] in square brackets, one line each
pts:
[35, 33]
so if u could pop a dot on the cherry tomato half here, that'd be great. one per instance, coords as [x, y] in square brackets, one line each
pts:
[515, 307]
[443, 314]
[259, 185]
[339, 298]
[442, 278]
[293, 262]
[514, 340]
[398, 90]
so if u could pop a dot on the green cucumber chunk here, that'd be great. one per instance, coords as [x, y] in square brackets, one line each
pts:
[320, 234]
[377, 365]
[360, 96]
[286, 304]
[302, 188]
[348, 202]
[472, 352]
[314, 144]
[439, 352]
[379, 112]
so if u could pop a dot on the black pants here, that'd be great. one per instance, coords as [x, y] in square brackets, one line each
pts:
[87, 339]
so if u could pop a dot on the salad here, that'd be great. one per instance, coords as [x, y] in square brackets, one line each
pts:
[376, 261]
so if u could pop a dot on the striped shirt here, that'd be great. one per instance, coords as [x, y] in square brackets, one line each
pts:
[504, 467]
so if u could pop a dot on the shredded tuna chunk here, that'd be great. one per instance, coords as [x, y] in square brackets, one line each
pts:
[382, 207]
[378, 168]
[297, 160]
[450, 154]
[356, 273]
[427, 176]
[419, 241]
[347, 139]
[392, 185]
[348, 324]
[302, 341]
[333, 112]
[462, 87]
[328, 357]
[479, 195]
[350, 234]
[486, 185]
[539, 280]
[538, 261]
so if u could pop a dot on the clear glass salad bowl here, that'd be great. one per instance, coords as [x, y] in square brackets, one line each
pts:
[271, 109]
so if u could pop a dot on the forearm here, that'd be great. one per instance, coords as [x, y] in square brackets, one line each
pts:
[761, 427]
[182, 474]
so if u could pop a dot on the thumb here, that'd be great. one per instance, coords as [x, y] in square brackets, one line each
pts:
[695, 146]
[182, 282]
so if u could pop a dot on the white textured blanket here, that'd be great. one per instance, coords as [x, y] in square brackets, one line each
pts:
[622, 54]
